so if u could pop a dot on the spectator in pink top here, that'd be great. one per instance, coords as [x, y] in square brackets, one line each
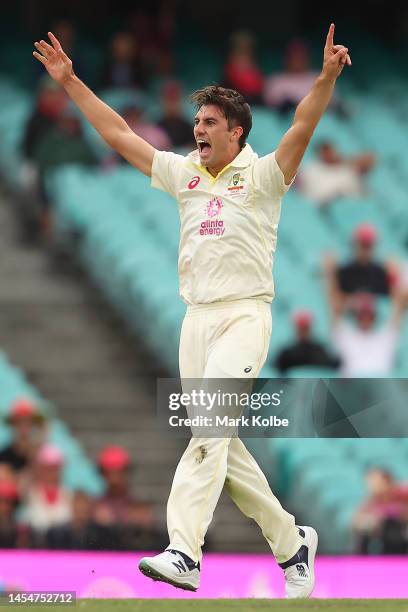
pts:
[241, 71]
[147, 130]
[380, 523]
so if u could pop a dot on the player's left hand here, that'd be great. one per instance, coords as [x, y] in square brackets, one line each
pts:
[335, 57]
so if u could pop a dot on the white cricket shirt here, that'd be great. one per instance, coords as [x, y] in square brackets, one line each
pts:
[228, 224]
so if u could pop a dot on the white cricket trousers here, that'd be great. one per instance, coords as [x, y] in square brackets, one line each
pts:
[224, 340]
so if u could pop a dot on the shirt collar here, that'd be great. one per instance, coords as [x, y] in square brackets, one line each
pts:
[242, 160]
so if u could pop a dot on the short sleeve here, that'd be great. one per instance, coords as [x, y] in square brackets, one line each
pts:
[269, 177]
[166, 170]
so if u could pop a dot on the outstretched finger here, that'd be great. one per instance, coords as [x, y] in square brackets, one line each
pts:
[50, 49]
[330, 37]
[55, 42]
[40, 57]
[42, 49]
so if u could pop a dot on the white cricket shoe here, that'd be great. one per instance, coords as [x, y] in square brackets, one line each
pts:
[173, 567]
[299, 570]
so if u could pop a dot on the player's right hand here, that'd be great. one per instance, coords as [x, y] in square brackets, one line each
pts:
[57, 63]
[335, 57]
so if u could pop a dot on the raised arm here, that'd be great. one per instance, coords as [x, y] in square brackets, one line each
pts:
[399, 299]
[309, 111]
[113, 129]
[337, 301]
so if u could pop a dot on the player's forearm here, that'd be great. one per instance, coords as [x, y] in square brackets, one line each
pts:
[312, 107]
[103, 118]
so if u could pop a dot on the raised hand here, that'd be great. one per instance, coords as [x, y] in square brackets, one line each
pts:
[335, 57]
[57, 63]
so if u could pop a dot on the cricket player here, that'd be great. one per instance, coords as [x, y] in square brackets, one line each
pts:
[229, 202]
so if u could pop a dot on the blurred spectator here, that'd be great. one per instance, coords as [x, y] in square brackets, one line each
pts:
[149, 131]
[241, 71]
[64, 144]
[117, 505]
[30, 201]
[305, 350]
[177, 128]
[155, 37]
[47, 503]
[11, 536]
[53, 138]
[285, 90]
[124, 68]
[28, 431]
[141, 532]
[50, 104]
[7, 472]
[363, 273]
[8, 503]
[82, 532]
[333, 176]
[364, 350]
[380, 523]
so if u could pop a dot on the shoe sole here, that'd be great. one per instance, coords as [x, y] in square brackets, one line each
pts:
[313, 543]
[148, 571]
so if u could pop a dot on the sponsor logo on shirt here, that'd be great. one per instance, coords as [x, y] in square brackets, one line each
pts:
[213, 225]
[236, 185]
[194, 182]
[213, 207]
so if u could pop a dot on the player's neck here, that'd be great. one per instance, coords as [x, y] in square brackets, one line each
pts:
[228, 159]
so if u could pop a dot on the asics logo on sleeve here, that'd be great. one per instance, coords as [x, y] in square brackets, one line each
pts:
[194, 182]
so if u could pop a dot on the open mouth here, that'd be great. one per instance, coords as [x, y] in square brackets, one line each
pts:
[203, 147]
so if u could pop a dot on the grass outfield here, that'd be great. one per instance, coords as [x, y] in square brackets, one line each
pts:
[225, 605]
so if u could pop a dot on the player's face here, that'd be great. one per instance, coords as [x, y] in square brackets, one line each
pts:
[217, 144]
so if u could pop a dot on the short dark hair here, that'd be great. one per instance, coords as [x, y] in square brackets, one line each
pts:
[231, 103]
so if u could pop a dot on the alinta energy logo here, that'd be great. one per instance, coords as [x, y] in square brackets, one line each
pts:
[213, 226]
